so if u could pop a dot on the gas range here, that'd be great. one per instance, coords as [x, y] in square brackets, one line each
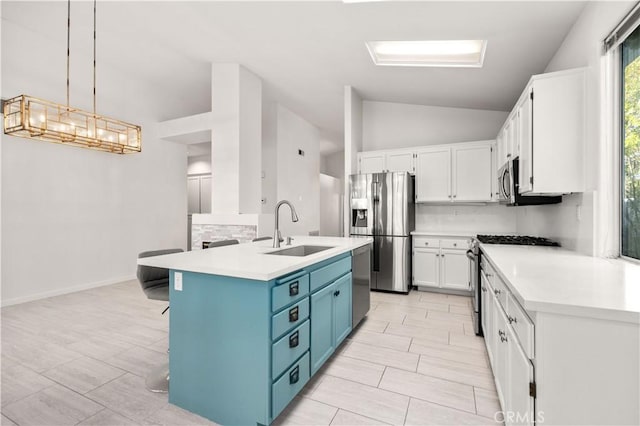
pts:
[521, 240]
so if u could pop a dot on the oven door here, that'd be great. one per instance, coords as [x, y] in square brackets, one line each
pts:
[474, 274]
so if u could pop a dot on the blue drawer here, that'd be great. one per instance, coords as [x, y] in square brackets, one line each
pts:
[289, 318]
[329, 273]
[289, 290]
[286, 388]
[289, 348]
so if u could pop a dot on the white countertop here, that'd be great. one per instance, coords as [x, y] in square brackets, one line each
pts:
[443, 234]
[250, 261]
[555, 280]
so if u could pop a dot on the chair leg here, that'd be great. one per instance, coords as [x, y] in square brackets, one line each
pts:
[158, 379]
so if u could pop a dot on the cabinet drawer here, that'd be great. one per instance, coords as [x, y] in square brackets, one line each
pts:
[500, 290]
[289, 318]
[421, 242]
[329, 273]
[289, 290]
[287, 386]
[289, 348]
[461, 244]
[521, 324]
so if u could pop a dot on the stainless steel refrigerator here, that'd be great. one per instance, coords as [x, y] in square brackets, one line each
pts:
[382, 207]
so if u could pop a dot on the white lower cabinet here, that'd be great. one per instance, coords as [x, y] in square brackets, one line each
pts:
[426, 267]
[557, 368]
[441, 263]
[512, 368]
[454, 266]
[518, 396]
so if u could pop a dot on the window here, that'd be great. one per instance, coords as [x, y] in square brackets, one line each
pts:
[630, 166]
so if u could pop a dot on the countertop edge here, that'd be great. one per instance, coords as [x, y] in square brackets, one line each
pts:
[563, 308]
[161, 262]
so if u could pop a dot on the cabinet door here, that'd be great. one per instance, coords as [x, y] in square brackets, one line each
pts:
[472, 175]
[501, 155]
[488, 313]
[433, 175]
[506, 144]
[322, 338]
[525, 177]
[520, 402]
[400, 162]
[205, 194]
[515, 135]
[342, 308]
[426, 267]
[371, 162]
[454, 269]
[501, 353]
[193, 194]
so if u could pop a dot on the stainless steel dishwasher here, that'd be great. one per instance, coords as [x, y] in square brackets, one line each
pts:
[360, 292]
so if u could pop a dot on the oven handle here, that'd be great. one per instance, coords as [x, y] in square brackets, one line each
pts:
[471, 256]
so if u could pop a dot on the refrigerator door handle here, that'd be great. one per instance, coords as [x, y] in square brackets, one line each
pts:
[376, 254]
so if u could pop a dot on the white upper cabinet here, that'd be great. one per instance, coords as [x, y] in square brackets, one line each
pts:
[455, 173]
[472, 173]
[386, 161]
[433, 175]
[546, 130]
[371, 162]
[399, 161]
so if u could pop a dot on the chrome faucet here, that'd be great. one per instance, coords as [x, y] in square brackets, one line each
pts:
[294, 218]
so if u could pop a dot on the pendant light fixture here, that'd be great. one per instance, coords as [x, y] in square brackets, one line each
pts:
[33, 118]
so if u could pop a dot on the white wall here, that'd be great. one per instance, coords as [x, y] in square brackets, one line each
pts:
[298, 176]
[73, 218]
[581, 48]
[330, 206]
[333, 164]
[200, 164]
[393, 125]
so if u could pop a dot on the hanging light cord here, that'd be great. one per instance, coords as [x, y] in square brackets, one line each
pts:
[68, 46]
[94, 57]
[69, 52]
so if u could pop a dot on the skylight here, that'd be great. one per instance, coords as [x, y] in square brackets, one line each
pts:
[428, 53]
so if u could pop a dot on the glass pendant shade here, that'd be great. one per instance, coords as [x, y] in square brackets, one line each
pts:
[33, 118]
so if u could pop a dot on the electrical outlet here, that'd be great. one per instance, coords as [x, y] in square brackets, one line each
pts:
[177, 281]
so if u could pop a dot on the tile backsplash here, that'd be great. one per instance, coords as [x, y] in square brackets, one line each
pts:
[482, 219]
[212, 232]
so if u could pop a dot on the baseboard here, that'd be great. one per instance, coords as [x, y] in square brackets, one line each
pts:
[66, 290]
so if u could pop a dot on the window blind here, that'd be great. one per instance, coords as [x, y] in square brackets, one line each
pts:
[623, 29]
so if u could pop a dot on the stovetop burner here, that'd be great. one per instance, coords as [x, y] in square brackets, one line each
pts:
[521, 240]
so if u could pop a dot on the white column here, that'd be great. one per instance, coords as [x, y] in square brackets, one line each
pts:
[236, 140]
[352, 143]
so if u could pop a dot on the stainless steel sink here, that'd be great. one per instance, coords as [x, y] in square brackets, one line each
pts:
[300, 250]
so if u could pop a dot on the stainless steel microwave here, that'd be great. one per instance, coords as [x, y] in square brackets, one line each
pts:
[508, 188]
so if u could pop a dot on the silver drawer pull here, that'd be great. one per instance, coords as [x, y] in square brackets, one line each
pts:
[496, 292]
[426, 244]
[511, 319]
[503, 339]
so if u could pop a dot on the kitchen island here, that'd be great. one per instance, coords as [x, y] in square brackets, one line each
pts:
[249, 328]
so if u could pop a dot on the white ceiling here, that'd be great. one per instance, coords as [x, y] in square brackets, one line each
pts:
[306, 52]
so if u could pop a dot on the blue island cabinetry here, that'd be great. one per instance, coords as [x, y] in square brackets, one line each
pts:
[241, 349]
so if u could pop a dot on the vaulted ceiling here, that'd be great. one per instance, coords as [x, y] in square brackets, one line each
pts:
[305, 52]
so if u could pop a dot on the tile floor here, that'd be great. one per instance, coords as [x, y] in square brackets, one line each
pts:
[82, 358]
